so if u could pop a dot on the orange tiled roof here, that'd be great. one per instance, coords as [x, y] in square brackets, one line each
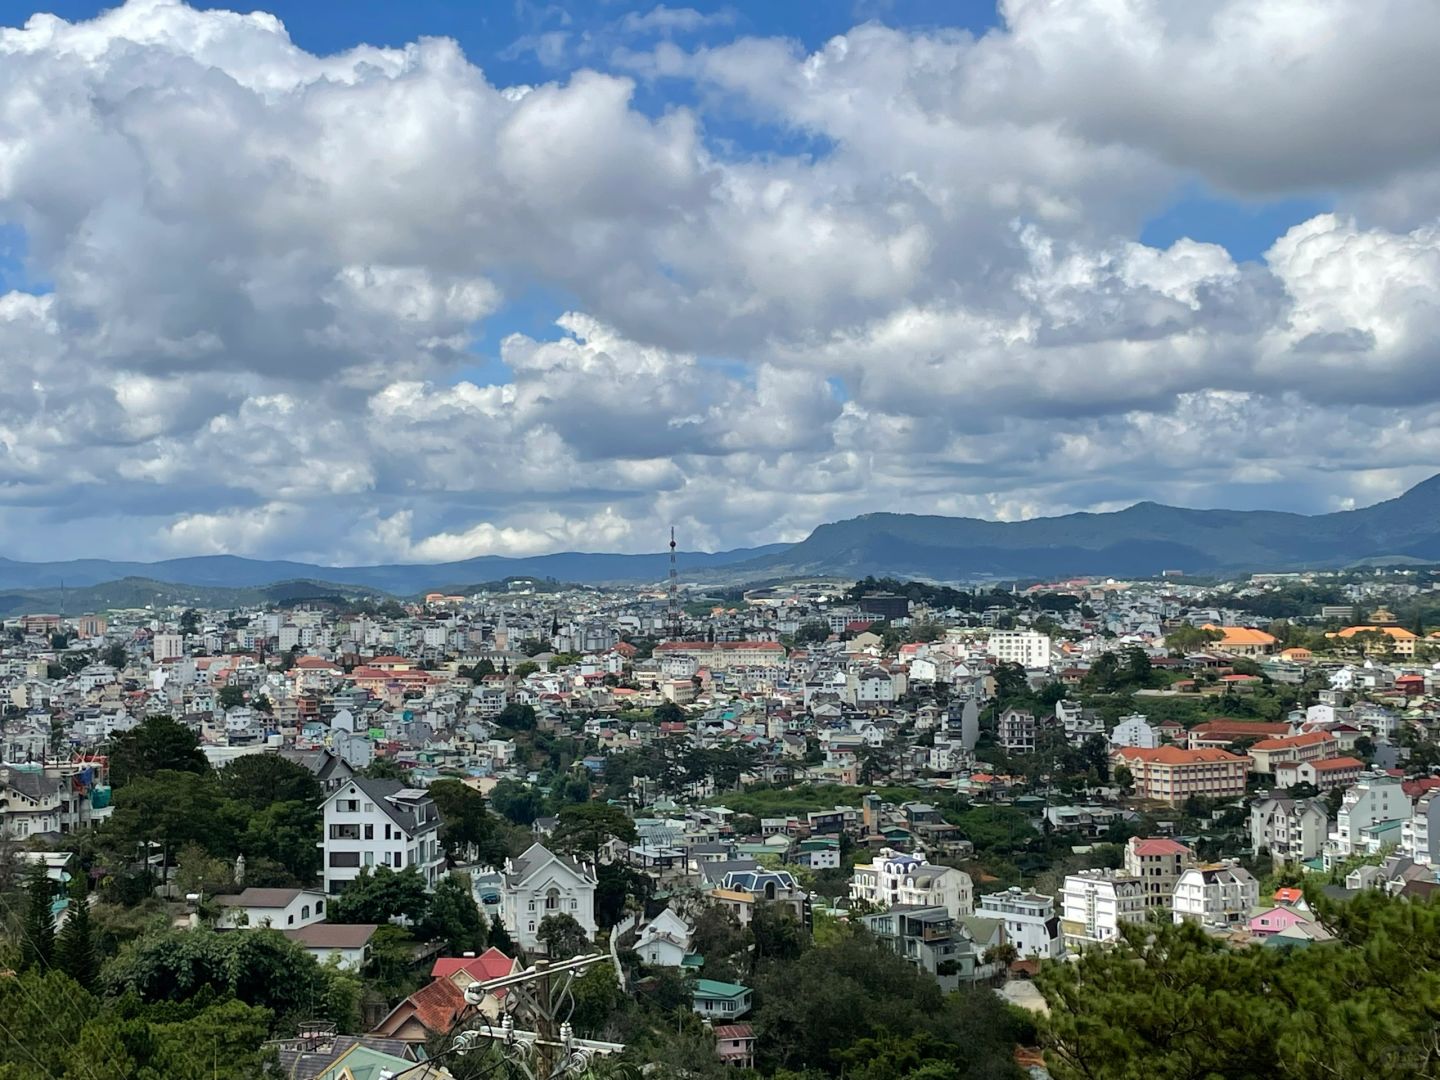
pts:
[1241, 635]
[1173, 755]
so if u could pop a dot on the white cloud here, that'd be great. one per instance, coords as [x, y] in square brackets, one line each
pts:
[277, 277]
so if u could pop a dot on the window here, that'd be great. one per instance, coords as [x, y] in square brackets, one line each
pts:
[399, 859]
[319, 906]
[387, 830]
[305, 912]
[369, 807]
[369, 858]
[552, 899]
[369, 832]
[289, 920]
[348, 806]
[344, 858]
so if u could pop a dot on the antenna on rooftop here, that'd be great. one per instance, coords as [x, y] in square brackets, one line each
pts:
[673, 614]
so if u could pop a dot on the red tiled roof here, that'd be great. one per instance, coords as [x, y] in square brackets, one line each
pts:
[1173, 755]
[1337, 764]
[734, 1031]
[491, 964]
[1159, 846]
[438, 1005]
[1289, 741]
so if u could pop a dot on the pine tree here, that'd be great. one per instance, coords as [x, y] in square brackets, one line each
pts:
[76, 952]
[500, 938]
[38, 945]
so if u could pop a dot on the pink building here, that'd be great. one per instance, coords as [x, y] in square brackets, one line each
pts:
[1275, 919]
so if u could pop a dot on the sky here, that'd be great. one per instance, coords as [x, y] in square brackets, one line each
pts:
[368, 281]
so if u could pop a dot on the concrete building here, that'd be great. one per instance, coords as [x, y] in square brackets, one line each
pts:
[1016, 731]
[1293, 830]
[538, 883]
[374, 823]
[1031, 923]
[1223, 894]
[1172, 775]
[1028, 648]
[1094, 904]
[1134, 730]
[1376, 798]
[1158, 863]
[894, 878]
[277, 909]
[167, 646]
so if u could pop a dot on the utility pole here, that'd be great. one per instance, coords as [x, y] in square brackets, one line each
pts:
[539, 996]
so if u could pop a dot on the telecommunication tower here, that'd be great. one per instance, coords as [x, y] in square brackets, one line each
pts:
[675, 628]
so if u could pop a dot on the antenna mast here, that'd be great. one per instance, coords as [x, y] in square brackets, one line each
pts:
[675, 628]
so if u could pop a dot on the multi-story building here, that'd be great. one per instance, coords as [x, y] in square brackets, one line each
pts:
[1158, 863]
[1375, 798]
[894, 878]
[538, 883]
[374, 823]
[740, 891]
[1293, 830]
[1172, 775]
[1420, 835]
[1016, 731]
[1134, 730]
[1267, 754]
[1222, 894]
[726, 655]
[1094, 904]
[167, 646]
[1323, 774]
[931, 939]
[1028, 648]
[1031, 924]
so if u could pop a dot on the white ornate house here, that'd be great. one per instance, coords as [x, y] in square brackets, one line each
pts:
[539, 883]
[895, 878]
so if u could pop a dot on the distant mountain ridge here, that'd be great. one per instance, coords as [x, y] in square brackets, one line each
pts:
[1141, 540]
[237, 572]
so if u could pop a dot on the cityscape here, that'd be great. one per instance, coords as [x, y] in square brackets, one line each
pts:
[883, 540]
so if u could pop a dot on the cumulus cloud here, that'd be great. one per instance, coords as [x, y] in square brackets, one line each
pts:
[277, 278]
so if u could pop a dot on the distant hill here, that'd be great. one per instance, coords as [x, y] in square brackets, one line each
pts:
[1143, 539]
[401, 579]
[135, 592]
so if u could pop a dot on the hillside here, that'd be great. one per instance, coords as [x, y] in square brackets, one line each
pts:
[400, 579]
[1143, 539]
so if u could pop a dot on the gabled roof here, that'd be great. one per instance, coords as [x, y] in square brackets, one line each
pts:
[436, 1006]
[380, 793]
[535, 858]
[491, 964]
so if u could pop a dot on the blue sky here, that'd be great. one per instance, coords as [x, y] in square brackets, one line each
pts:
[743, 268]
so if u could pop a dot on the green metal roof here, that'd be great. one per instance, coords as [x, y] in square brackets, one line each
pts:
[709, 988]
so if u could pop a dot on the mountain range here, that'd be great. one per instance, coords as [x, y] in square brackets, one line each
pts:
[1141, 540]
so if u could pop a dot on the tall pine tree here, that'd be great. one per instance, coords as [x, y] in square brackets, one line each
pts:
[76, 952]
[37, 947]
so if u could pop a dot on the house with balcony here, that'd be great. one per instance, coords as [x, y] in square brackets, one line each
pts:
[1374, 800]
[1158, 862]
[1218, 895]
[933, 940]
[1094, 904]
[1293, 830]
[720, 1000]
[893, 878]
[375, 823]
[1031, 923]
[538, 883]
